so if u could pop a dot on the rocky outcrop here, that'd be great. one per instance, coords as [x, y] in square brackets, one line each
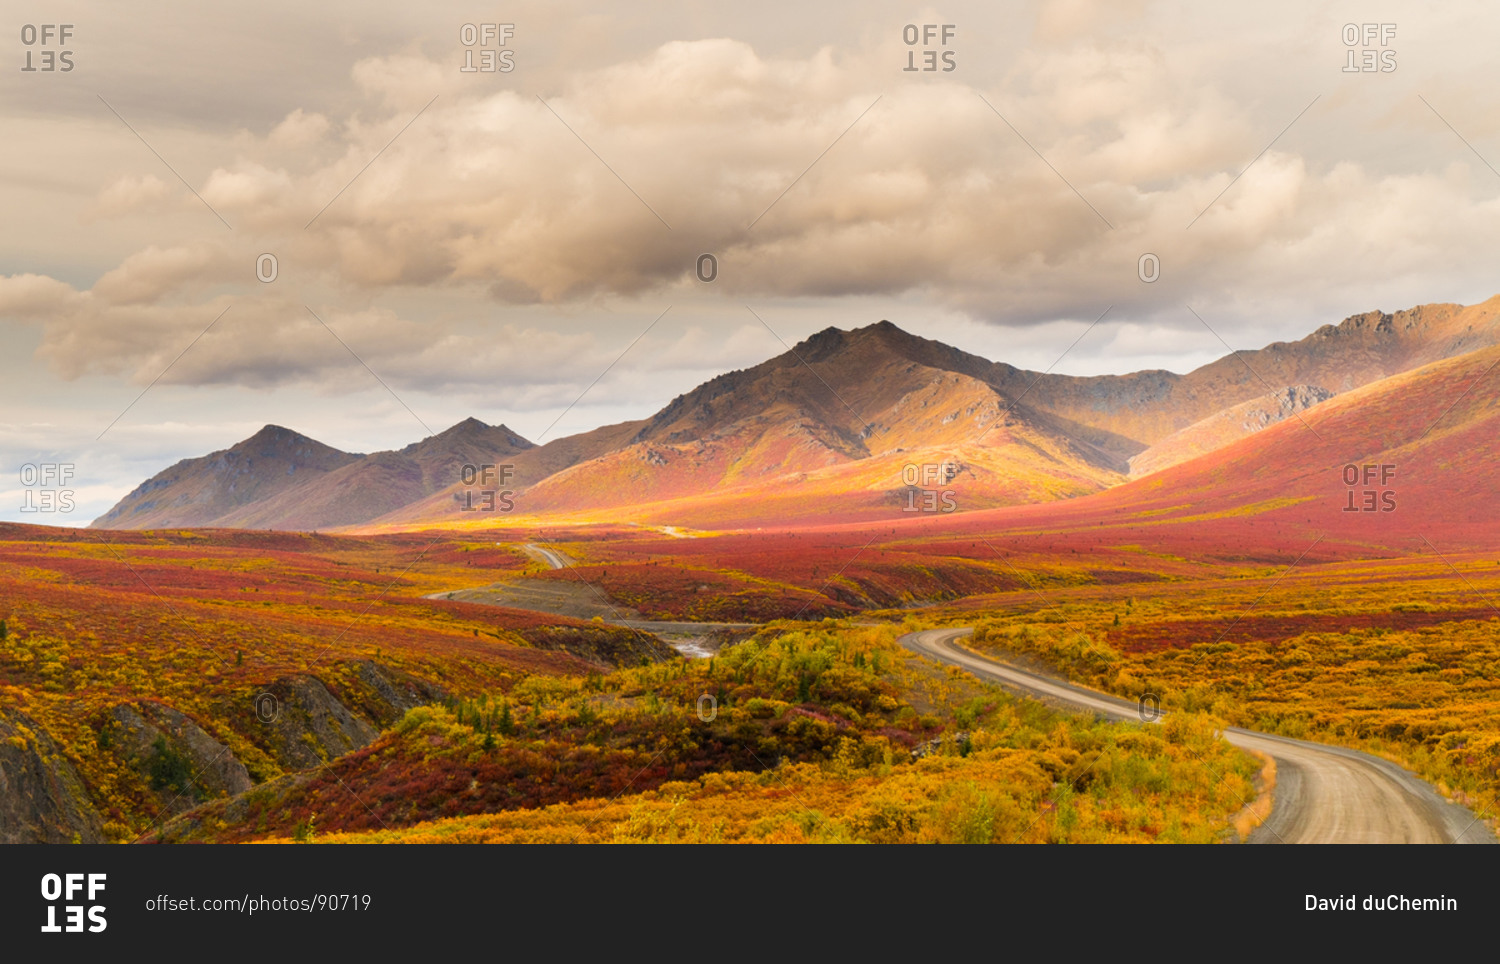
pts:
[607, 644]
[42, 798]
[383, 695]
[300, 721]
[295, 723]
[181, 762]
[300, 724]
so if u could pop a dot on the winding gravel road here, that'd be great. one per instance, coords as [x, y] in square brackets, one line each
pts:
[1324, 794]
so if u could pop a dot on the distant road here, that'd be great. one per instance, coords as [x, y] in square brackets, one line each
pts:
[580, 600]
[551, 557]
[1324, 794]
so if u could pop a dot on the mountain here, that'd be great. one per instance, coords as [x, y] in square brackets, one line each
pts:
[828, 427]
[198, 492]
[382, 482]
[280, 479]
[1426, 436]
[835, 428]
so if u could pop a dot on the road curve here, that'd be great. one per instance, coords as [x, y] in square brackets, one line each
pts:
[1324, 794]
[551, 557]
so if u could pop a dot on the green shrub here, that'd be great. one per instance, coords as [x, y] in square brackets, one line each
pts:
[168, 768]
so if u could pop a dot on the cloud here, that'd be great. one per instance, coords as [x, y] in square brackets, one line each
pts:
[271, 341]
[929, 192]
[34, 297]
[493, 195]
[298, 130]
[150, 275]
[1063, 20]
[251, 189]
[130, 195]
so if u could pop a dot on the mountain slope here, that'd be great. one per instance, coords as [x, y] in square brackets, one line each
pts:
[1222, 428]
[1432, 429]
[522, 469]
[198, 492]
[782, 440]
[1427, 437]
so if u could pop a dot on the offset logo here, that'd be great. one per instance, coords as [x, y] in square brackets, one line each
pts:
[1377, 495]
[55, 887]
[483, 481]
[924, 486]
[488, 39]
[1364, 55]
[43, 487]
[911, 35]
[42, 45]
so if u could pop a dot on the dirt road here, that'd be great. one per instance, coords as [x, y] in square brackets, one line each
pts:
[1324, 794]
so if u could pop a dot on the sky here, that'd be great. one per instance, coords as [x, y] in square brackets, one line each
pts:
[522, 245]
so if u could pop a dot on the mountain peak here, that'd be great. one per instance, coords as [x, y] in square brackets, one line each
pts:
[469, 426]
[473, 428]
[887, 333]
[276, 437]
[822, 344]
[471, 437]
